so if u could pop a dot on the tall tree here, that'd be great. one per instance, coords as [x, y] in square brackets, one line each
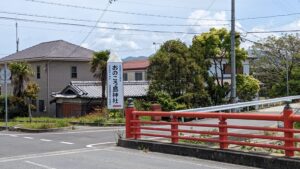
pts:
[277, 58]
[211, 50]
[21, 73]
[174, 71]
[98, 67]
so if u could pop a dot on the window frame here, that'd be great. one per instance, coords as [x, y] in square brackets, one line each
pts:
[74, 75]
[135, 76]
[38, 72]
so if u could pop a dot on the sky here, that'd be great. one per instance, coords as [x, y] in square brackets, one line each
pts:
[135, 27]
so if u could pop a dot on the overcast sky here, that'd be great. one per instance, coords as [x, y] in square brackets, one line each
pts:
[177, 16]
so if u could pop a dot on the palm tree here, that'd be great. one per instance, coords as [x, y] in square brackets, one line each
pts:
[21, 73]
[98, 67]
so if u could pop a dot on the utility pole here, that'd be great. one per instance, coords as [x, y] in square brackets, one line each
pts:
[17, 38]
[233, 61]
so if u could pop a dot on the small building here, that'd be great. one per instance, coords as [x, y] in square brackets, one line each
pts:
[135, 70]
[80, 97]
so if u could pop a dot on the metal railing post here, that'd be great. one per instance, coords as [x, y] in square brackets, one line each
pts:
[223, 130]
[174, 126]
[288, 124]
[128, 114]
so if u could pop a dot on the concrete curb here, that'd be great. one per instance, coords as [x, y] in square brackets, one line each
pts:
[25, 130]
[98, 124]
[229, 156]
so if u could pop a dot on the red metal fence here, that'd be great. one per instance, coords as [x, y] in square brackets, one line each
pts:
[136, 128]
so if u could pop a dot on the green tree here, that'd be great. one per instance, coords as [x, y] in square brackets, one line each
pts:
[31, 93]
[277, 57]
[247, 87]
[211, 50]
[99, 68]
[172, 70]
[21, 73]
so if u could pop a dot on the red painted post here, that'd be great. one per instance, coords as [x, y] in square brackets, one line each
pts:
[128, 114]
[174, 127]
[223, 130]
[288, 124]
[138, 129]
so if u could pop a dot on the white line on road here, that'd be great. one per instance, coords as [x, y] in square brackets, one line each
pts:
[103, 143]
[63, 142]
[13, 135]
[39, 165]
[72, 132]
[30, 138]
[45, 140]
[50, 154]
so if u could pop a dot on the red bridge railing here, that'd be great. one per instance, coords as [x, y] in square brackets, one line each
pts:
[137, 128]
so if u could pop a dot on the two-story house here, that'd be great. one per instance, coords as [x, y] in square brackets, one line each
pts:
[55, 64]
[135, 70]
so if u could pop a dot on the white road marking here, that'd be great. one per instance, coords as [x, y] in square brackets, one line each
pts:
[39, 165]
[103, 143]
[71, 132]
[13, 135]
[63, 142]
[30, 138]
[45, 140]
[49, 154]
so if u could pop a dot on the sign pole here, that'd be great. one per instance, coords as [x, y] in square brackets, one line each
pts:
[5, 83]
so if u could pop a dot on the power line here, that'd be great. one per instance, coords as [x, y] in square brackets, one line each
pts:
[168, 6]
[108, 22]
[121, 12]
[131, 29]
[91, 26]
[269, 16]
[274, 31]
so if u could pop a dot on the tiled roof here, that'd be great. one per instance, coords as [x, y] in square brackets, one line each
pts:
[53, 50]
[92, 89]
[136, 65]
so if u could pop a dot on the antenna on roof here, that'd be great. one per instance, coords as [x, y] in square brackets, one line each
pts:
[17, 37]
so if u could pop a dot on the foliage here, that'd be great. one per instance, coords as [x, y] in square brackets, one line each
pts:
[32, 90]
[212, 50]
[166, 102]
[142, 104]
[98, 67]
[21, 72]
[16, 107]
[181, 76]
[278, 56]
[247, 87]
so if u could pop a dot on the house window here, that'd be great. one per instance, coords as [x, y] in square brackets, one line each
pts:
[38, 72]
[227, 69]
[138, 76]
[73, 72]
[41, 105]
[125, 77]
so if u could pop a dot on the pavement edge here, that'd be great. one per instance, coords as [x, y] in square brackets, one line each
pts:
[227, 156]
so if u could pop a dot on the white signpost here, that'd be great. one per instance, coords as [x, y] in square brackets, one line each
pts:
[5, 75]
[115, 88]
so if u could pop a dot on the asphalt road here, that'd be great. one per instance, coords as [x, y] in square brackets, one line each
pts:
[87, 148]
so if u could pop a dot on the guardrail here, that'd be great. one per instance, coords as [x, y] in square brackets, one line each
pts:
[137, 128]
[241, 105]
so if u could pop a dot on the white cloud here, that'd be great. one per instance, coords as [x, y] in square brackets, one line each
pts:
[214, 19]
